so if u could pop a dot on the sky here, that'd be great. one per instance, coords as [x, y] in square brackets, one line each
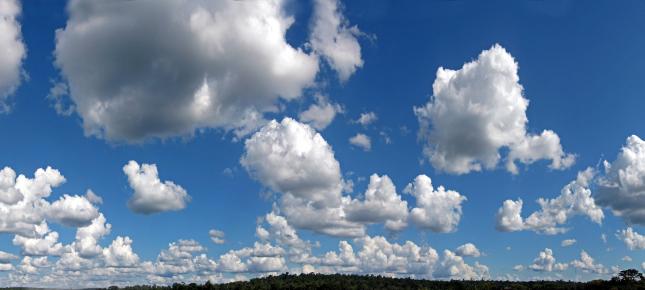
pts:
[153, 142]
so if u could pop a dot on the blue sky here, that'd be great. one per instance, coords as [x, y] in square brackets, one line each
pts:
[134, 72]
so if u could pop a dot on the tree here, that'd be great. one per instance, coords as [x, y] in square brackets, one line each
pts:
[629, 276]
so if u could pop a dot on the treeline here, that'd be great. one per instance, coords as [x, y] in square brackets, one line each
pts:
[626, 280]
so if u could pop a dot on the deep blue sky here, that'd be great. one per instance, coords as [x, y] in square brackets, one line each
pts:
[581, 65]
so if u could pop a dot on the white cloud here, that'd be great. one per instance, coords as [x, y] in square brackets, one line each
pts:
[320, 114]
[334, 39]
[568, 242]
[627, 259]
[381, 205]
[437, 210]
[7, 257]
[9, 194]
[87, 237]
[93, 197]
[291, 158]
[13, 51]
[72, 211]
[622, 188]
[574, 199]
[120, 254]
[478, 110]
[151, 195]
[46, 243]
[632, 239]
[362, 141]
[367, 118]
[545, 262]
[217, 236]
[453, 267]
[28, 205]
[378, 256]
[586, 264]
[220, 64]
[468, 250]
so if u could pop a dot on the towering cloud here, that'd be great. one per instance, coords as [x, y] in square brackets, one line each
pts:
[151, 195]
[622, 188]
[12, 51]
[476, 111]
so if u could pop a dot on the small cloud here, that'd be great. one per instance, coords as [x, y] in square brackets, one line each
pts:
[217, 236]
[362, 141]
[366, 118]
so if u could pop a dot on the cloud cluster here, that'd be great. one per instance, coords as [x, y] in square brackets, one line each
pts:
[574, 199]
[13, 51]
[292, 159]
[478, 110]
[151, 195]
[545, 262]
[632, 239]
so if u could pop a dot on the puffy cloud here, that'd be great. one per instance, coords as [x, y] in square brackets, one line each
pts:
[87, 237]
[219, 64]
[478, 110]
[261, 258]
[291, 158]
[120, 254]
[377, 255]
[622, 188]
[151, 195]
[545, 262]
[437, 210]
[632, 239]
[381, 205]
[586, 264]
[367, 118]
[627, 259]
[574, 199]
[28, 208]
[73, 211]
[13, 50]
[468, 249]
[453, 267]
[568, 242]
[217, 236]
[320, 114]
[509, 216]
[362, 141]
[9, 194]
[93, 197]
[333, 38]
[279, 230]
[43, 245]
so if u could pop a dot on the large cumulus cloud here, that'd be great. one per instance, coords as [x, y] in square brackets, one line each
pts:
[12, 50]
[139, 69]
[622, 188]
[478, 110]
